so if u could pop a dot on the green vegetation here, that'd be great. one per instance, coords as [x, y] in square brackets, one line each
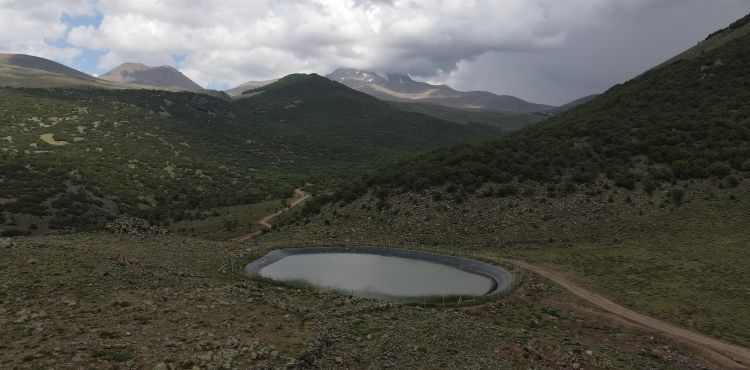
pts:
[226, 222]
[506, 121]
[640, 194]
[75, 158]
[690, 120]
[692, 273]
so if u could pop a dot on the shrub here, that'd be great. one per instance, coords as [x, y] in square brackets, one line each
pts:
[15, 232]
[732, 181]
[677, 194]
[506, 190]
[720, 169]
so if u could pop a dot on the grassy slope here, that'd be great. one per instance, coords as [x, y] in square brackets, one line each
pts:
[642, 194]
[690, 120]
[136, 301]
[158, 153]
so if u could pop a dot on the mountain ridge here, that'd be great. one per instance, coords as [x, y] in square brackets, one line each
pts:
[401, 87]
[34, 62]
[141, 74]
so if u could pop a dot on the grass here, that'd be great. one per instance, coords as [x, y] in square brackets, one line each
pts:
[228, 222]
[693, 279]
[684, 264]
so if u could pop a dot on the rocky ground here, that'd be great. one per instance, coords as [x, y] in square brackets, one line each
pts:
[99, 300]
[600, 212]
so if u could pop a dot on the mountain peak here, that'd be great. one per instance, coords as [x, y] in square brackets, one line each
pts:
[141, 74]
[399, 78]
[401, 87]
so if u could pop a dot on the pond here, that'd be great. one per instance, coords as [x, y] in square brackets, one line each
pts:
[385, 273]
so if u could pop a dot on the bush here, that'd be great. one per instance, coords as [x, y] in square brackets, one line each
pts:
[677, 194]
[732, 181]
[720, 169]
[15, 232]
[506, 190]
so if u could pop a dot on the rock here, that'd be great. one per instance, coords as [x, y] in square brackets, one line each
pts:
[6, 243]
[576, 365]
[32, 261]
[339, 360]
[133, 226]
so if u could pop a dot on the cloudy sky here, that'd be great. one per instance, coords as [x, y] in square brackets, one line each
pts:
[547, 51]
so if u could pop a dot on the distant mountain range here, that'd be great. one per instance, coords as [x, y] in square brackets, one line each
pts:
[141, 74]
[505, 112]
[440, 101]
[400, 87]
[20, 70]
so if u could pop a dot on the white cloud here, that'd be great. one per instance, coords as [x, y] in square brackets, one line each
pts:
[26, 26]
[227, 42]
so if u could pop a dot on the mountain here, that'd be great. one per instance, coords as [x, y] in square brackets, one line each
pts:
[140, 74]
[250, 85]
[19, 70]
[641, 194]
[32, 62]
[503, 120]
[571, 105]
[74, 158]
[737, 29]
[399, 87]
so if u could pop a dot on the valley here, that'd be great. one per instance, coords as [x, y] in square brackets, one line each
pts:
[132, 204]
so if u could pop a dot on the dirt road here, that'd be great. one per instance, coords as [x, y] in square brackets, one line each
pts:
[265, 222]
[722, 354]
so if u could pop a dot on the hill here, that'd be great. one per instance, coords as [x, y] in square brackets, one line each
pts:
[93, 154]
[140, 74]
[571, 105]
[641, 194]
[399, 87]
[32, 62]
[737, 29]
[250, 85]
[502, 120]
[24, 71]
[18, 70]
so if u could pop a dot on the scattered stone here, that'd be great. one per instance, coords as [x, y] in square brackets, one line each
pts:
[6, 243]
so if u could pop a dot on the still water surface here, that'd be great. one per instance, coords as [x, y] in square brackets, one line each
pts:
[370, 275]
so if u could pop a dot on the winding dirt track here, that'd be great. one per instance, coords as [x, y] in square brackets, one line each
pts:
[723, 354]
[265, 222]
